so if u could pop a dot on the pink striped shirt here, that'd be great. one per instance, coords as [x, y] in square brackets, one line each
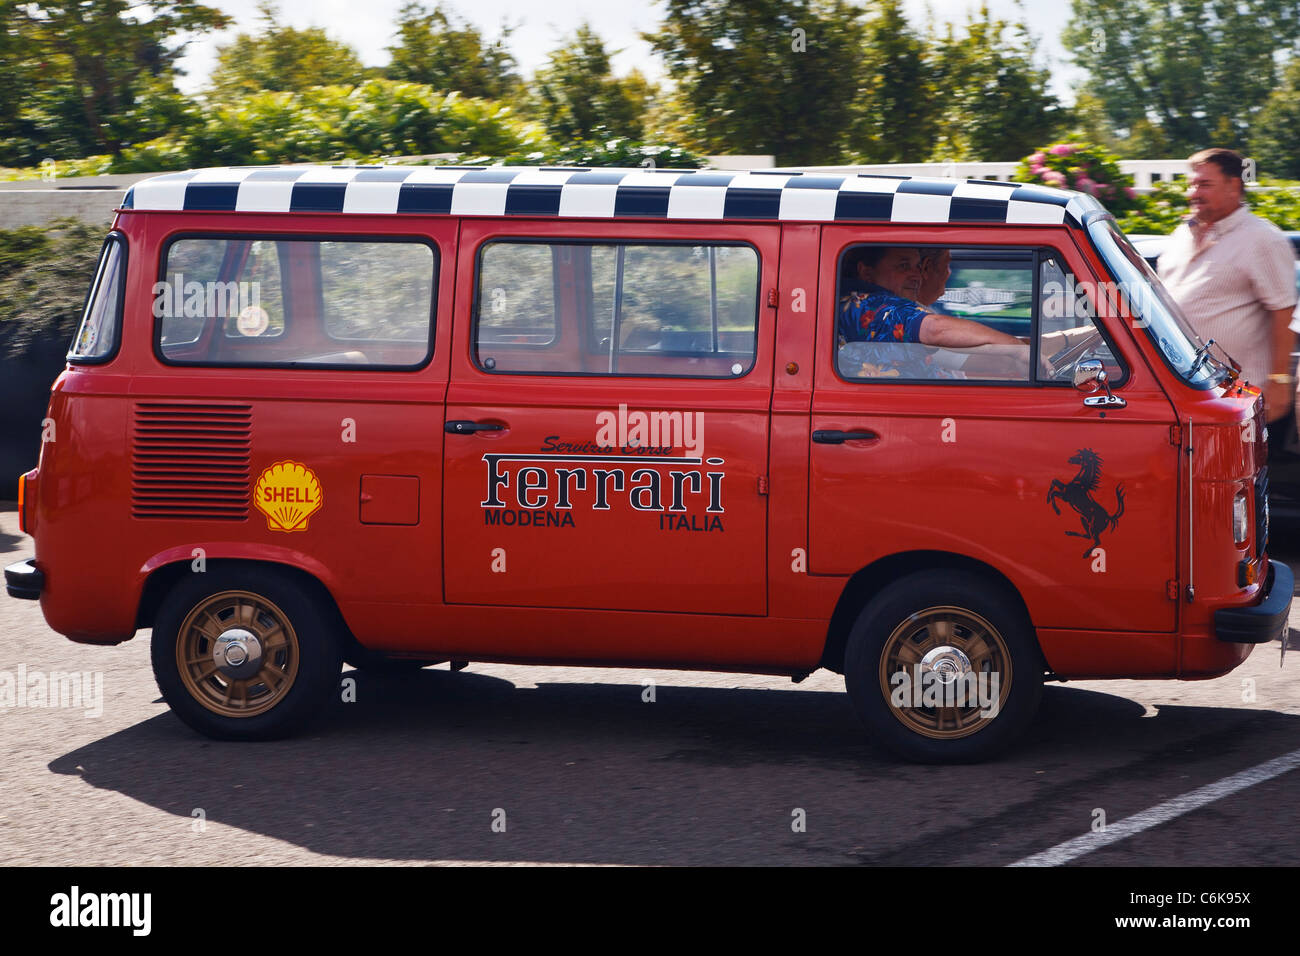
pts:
[1243, 271]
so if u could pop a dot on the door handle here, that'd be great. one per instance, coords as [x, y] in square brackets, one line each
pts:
[833, 436]
[466, 428]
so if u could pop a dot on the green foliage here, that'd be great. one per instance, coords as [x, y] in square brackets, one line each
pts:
[369, 122]
[282, 59]
[375, 119]
[897, 114]
[1280, 205]
[1275, 134]
[576, 93]
[21, 247]
[433, 49]
[1083, 167]
[610, 152]
[766, 76]
[65, 168]
[43, 287]
[90, 77]
[866, 90]
[1159, 212]
[993, 101]
[1277, 200]
[1197, 71]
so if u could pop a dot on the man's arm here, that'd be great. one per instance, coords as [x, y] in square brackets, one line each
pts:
[951, 332]
[1279, 394]
[1273, 276]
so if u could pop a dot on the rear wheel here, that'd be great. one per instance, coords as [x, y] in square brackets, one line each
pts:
[244, 653]
[944, 667]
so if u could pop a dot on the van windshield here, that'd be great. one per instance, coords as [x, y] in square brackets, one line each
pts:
[1154, 309]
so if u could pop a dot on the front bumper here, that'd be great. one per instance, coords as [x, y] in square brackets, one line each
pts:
[1262, 622]
[24, 580]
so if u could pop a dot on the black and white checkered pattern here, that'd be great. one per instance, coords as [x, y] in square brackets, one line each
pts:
[607, 193]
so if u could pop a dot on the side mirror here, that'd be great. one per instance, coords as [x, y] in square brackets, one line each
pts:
[1089, 377]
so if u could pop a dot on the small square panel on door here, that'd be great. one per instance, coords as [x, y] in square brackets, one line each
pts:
[390, 499]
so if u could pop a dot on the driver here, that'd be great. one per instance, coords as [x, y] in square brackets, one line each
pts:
[881, 303]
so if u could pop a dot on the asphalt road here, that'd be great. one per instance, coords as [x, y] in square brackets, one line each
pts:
[582, 770]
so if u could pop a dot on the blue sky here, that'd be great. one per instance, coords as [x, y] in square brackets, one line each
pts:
[542, 26]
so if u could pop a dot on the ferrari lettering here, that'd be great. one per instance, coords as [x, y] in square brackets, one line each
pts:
[535, 482]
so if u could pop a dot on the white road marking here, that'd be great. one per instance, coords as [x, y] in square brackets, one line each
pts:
[1162, 813]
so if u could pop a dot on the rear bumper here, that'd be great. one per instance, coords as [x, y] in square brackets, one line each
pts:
[24, 580]
[1262, 622]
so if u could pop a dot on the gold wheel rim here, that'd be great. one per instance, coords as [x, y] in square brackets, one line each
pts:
[214, 687]
[925, 705]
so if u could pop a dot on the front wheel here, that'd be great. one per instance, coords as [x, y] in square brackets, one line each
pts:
[244, 653]
[943, 667]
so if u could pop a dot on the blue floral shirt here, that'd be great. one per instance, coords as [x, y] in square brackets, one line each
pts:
[868, 313]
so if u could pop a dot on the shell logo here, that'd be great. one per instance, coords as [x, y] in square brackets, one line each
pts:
[288, 493]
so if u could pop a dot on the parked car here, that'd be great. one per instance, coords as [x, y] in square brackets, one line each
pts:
[1283, 440]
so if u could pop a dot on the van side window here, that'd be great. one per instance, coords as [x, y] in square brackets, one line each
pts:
[1068, 331]
[376, 291]
[262, 267]
[516, 295]
[292, 302]
[994, 316]
[687, 310]
[96, 338]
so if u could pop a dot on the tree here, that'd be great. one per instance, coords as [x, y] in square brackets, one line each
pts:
[766, 76]
[76, 72]
[448, 55]
[1198, 71]
[282, 59]
[576, 93]
[1275, 134]
[896, 109]
[993, 100]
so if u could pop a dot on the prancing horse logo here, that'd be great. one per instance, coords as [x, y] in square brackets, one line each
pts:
[1078, 495]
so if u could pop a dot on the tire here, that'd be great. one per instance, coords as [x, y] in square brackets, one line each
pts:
[291, 647]
[912, 629]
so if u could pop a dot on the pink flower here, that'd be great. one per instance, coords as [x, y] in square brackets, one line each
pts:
[1061, 149]
[1053, 178]
[1130, 192]
[1087, 185]
[1038, 168]
[1037, 158]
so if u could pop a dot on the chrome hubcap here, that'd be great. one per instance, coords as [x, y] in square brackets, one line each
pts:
[947, 663]
[237, 653]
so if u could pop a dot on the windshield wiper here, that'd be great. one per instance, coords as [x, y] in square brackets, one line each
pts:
[1231, 370]
[1199, 358]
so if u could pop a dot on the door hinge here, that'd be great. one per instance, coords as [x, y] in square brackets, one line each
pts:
[1175, 435]
[762, 484]
[1171, 589]
[771, 298]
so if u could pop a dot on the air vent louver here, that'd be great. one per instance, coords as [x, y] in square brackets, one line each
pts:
[190, 461]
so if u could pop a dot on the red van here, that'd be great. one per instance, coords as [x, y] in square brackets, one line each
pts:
[663, 418]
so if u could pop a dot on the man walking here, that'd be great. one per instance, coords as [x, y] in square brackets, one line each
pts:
[1233, 274]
